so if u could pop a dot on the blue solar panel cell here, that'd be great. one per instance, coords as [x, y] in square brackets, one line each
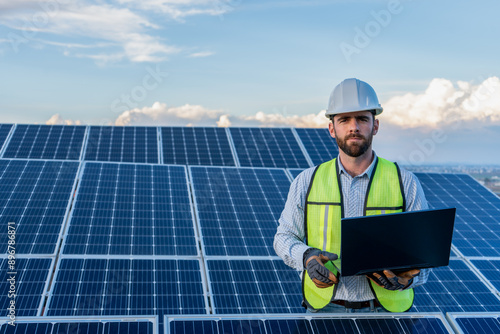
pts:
[268, 147]
[124, 327]
[4, 132]
[242, 326]
[238, 208]
[477, 224]
[490, 269]
[295, 172]
[128, 209]
[454, 289]
[194, 327]
[75, 327]
[423, 325]
[288, 326]
[122, 144]
[46, 142]
[334, 326]
[319, 144]
[29, 277]
[28, 328]
[96, 287]
[196, 146]
[478, 324]
[34, 196]
[254, 286]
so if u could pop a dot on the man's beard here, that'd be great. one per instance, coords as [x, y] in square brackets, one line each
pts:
[354, 149]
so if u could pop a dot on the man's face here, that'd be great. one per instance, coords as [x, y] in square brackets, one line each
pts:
[354, 132]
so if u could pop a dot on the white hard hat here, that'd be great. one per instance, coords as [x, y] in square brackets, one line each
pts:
[352, 95]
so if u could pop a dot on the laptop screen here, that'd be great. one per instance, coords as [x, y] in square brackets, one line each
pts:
[398, 241]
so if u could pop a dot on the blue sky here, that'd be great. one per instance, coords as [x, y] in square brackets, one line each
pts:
[433, 64]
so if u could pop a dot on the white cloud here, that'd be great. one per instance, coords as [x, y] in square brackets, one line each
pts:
[444, 103]
[196, 115]
[272, 120]
[161, 114]
[56, 119]
[115, 31]
[201, 54]
[178, 9]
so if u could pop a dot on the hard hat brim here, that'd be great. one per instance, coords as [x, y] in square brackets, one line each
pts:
[330, 114]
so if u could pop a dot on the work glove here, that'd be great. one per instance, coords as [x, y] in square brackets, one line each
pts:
[390, 281]
[314, 261]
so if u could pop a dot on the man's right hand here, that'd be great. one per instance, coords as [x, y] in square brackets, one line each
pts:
[314, 262]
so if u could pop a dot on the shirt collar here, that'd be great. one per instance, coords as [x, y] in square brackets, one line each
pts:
[367, 172]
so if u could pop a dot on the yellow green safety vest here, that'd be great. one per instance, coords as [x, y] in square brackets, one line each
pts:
[323, 211]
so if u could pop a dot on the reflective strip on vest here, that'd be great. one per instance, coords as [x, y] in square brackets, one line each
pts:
[323, 211]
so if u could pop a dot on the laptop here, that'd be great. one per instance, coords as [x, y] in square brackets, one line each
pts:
[397, 241]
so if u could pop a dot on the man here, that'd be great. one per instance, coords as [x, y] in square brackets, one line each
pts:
[356, 183]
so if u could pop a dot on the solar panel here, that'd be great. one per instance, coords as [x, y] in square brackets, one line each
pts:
[238, 208]
[295, 172]
[454, 289]
[477, 224]
[196, 146]
[254, 286]
[4, 133]
[97, 287]
[34, 199]
[29, 278]
[131, 209]
[318, 143]
[46, 142]
[490, 268]
[312, 323]
[122, 144]
[51, 325]
[475, 323]
[268, 147]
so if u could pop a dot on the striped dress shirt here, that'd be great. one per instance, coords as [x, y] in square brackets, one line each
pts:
[289, 239]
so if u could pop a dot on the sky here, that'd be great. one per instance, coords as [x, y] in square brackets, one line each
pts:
[433, 64]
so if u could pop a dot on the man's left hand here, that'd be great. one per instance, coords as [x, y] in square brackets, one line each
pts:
[391, 281]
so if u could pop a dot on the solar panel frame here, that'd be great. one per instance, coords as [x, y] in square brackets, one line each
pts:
[67, 231]
[19, 278]
[98, 131]
[455, 317]
[294, 172]
[311, 138]
[487, 268]
[261, 238]
[6, 131]
[72, 153]
[69, 201]
[253, 323]
[86, 320]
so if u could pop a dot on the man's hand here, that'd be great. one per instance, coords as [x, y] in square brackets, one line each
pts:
[314, 262]
[391, 281]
